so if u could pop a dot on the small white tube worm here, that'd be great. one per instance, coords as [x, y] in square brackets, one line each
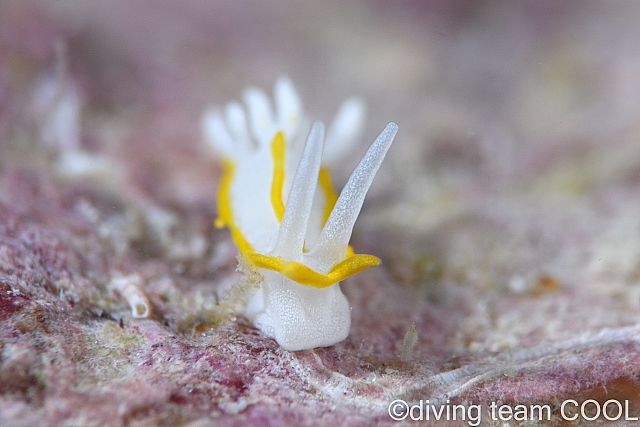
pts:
[408, 343]
[129, 288]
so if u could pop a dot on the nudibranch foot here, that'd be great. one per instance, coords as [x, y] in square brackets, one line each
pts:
[299, 317]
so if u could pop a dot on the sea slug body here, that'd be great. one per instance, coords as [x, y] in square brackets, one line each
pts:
[277, 199]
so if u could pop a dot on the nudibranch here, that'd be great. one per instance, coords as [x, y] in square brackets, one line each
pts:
[277, 199]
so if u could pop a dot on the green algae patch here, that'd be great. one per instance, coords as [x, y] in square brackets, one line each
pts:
[111, 350]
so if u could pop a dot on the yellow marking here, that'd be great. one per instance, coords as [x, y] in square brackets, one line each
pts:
[277, 153]
[238, 238]
[266, 261]
[304, 275]
[295, 271]
[225, 212]
[330, 196]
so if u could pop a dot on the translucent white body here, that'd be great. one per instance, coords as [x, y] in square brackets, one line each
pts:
[277, 199]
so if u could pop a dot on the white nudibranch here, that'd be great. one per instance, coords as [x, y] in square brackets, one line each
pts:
[277, 199]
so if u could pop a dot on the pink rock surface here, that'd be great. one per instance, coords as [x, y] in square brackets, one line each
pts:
[506, 215]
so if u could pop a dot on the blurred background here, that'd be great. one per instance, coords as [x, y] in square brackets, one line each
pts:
[510, 111]
[478, 87]
[521, 116]
[505, 214]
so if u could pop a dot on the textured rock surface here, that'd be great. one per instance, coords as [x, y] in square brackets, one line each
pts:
[506, 215]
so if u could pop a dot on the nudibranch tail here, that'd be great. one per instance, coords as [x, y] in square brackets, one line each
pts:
[343, 131]
[335, 235]
[293, 226]
[288, 105]
[261, 116]
[237, 123]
